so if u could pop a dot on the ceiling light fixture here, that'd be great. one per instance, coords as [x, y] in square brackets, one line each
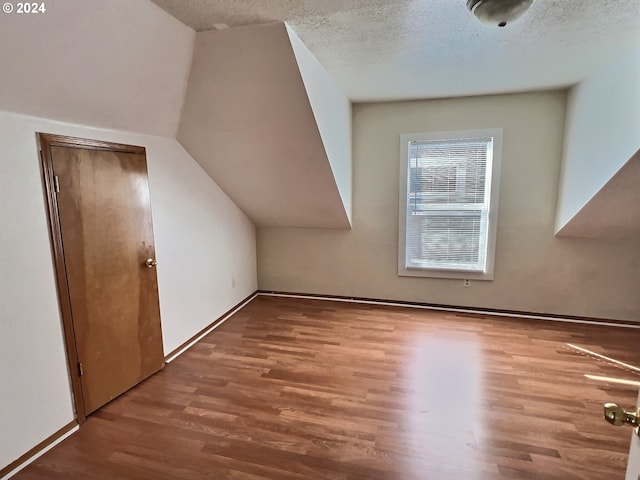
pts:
[498, 12]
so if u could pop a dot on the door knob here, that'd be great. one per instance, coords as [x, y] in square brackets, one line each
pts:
[617, 416]
[150, 262]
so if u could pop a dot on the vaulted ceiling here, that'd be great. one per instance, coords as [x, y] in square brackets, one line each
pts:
[402, 49]
[131, 69]
[613, 211]
[259, 117]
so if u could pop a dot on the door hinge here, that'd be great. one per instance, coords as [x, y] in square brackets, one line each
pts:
[56, 184]
[80, 371]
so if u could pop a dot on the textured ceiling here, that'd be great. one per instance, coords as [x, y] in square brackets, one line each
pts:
[402, 49]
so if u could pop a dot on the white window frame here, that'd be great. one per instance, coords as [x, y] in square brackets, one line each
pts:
[496, 161]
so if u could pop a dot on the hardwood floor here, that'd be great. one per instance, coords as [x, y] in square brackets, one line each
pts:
[310, 389]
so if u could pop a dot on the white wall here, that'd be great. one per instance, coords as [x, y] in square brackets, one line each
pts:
[534, 270]
[602, 133]
[203, 241]
[111, 64]
[633, 467]
[332, 111]
[206, 246]
[108, 63]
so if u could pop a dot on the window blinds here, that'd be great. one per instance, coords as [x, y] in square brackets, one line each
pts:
[448, 193]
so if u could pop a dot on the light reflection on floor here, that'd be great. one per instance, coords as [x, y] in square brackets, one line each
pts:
[445, 382]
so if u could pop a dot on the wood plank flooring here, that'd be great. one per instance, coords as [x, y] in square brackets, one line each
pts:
[309, 389]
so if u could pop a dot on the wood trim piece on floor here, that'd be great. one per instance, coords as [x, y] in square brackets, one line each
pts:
[212, 326]
[39, 449]
[475, 311]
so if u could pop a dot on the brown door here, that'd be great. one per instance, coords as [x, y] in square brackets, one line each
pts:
[105, 259]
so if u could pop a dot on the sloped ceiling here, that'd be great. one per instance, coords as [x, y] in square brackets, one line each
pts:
[248, 121]
[404, 49]
[613, 212]
[602, 134]
[111, 64]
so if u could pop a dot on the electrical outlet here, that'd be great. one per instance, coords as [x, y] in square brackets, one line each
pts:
[467, 282]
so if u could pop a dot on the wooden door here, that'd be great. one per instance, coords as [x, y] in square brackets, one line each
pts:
[102, 233]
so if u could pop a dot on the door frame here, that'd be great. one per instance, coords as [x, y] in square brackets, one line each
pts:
[45, 142]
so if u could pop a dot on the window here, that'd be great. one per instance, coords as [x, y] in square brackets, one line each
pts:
[449, 203]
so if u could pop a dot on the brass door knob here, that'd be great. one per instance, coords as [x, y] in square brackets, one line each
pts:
[616, 415]
[150, 262]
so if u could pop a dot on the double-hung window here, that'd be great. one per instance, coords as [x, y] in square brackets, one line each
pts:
[448, 203]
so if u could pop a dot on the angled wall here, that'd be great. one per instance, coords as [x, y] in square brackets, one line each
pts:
[534, 270]
[613, 211]
[332, 111]
[206, 264]
[247, 119]
[111, 64]
[602, 134]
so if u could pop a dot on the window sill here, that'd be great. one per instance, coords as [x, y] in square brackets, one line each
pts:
[452, 274]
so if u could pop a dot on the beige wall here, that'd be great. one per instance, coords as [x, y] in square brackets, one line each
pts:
[248, 120]
[534, 271]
